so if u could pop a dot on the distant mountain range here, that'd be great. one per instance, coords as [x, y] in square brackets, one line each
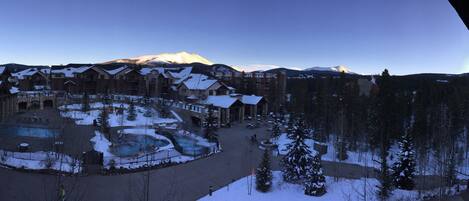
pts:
[201, 64]
[166, 58]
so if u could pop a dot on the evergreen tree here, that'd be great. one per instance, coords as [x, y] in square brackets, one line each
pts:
[384, 177]
[103, 121]
[297, 160]
[275, 129]
[264, 174]
[315, 183]
[148, 109]
[404, 168]
[132, 113]
[210, 124]
[85, 105]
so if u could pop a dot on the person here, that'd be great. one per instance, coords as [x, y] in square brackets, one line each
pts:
[62, 193]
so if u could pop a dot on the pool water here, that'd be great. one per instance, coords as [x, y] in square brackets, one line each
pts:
[133, 145]
[189, 146]
[29, 131]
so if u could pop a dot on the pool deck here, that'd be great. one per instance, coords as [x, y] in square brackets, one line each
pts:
[75, 137]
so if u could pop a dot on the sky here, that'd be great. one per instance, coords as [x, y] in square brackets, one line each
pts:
[364, 35]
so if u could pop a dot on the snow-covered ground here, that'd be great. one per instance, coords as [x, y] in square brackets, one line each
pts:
[368, 158]
[162, 154]
[341, 190]
[364, 158]
[40, 161]
[86, 118]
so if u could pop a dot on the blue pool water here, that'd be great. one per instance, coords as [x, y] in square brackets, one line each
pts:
[29, 131]
[132, 145]
[189, 146]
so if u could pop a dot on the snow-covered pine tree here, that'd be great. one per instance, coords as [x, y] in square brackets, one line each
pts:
[132, 113]
[298, 159]
[85, 105]
[148, 109]
[103, 121]
[275, 129]
[384, 177]
[404, 167]
[210, 124]
[315, 182]
[264, 173]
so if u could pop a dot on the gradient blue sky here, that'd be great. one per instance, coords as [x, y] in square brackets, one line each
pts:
[406, 36]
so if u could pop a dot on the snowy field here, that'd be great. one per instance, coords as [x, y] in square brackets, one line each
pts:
[40, 161]
[73, 111]
[341, 190]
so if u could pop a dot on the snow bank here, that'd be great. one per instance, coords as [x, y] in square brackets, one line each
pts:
[341, 190]
[40, 161]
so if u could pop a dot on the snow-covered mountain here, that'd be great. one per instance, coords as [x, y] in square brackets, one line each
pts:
[332, 69]
[166, 58]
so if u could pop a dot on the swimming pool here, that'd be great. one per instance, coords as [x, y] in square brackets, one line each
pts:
[189, 146]
[28, 131]
[132, 145]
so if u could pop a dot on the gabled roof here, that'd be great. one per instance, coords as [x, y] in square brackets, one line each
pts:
[220, 101]
[30, 72]
[146, 71]
[116, 70]
[251, 100]
[198, 82]
[14, 90]
[71, 71]
[181, 75]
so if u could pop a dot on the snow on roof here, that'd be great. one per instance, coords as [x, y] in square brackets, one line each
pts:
[146, 71]
[198, 82]
[250, 100]
[116, 70]
[220, 101]
[70, 71]
[14, 90]
[181, 75]
[29, 72]
[2, 69]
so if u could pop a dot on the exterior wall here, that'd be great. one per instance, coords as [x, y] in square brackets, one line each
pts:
[93, 82]
[28, 83]
[214, 90]
[272, 86]
[7, 106]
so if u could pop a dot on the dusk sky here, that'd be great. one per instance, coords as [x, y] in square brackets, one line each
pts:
[405, 36]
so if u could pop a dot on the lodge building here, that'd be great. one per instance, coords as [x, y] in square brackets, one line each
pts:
[180, 84]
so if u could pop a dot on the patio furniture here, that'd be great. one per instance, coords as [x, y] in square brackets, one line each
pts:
[23, 147]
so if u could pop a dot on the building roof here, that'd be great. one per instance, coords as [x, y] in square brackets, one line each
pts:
[115, 70]
[220, 101]
[14, 90]
[181, 75]
[251, 100]
[29, 72]
[198, 82]
[71, 71]
[146, 71]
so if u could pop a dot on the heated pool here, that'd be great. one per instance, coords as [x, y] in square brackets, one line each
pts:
[132, 145]
[29, 131]
[189, 146]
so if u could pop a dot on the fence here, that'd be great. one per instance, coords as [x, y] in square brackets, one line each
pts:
[149, 159]
[40, 160]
